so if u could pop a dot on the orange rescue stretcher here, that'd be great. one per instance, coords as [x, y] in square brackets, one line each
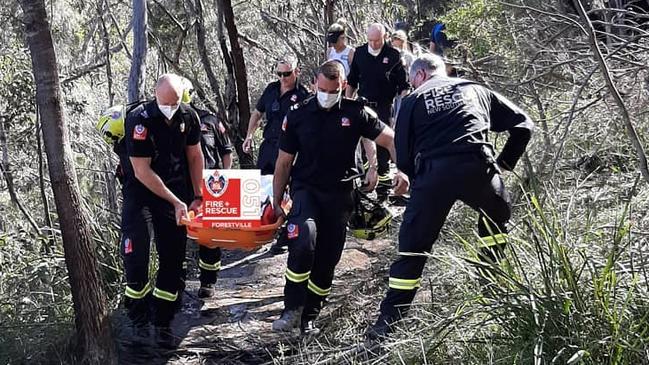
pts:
[246, 239]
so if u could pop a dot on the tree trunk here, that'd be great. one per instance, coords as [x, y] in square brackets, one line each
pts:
[41, 185]
[205, 59]
[93, 340]
[138, 63]
[329, 8]
[239, 65]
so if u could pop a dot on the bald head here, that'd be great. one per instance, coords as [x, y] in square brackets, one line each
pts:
[169, 89]
[376, 36]
[376, 29]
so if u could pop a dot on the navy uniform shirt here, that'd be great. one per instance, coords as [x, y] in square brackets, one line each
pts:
[276, 106]
[325, 141]
[446, 116]
[380, 78]
[215, 143]
[147, 134]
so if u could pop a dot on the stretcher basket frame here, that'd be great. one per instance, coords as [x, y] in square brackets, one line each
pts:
[246, 239]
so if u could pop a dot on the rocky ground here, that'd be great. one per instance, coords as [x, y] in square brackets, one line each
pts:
[233, 327]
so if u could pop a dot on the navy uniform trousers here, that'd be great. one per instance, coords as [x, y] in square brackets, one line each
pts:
[316, 230]
[138, 215]
[438, 183]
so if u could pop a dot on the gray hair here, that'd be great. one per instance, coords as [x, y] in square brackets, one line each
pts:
[287, 59]
[430, 63]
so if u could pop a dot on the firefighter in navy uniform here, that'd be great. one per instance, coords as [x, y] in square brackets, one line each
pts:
[217, 151]
[442, 145]
[317, 152]
[274, 102]
[378, 73]
[162, 146]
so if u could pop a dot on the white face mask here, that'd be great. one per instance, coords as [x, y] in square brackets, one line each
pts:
[327, 100]
[168, 110]
[372, 51]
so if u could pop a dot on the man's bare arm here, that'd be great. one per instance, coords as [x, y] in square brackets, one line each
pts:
[282, 173]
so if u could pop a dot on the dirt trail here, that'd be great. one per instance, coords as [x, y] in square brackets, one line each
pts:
[234, 326]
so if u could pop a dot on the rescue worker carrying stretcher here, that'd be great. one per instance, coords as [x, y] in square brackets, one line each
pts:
[317, 151]
[162, 148]
[442, 145]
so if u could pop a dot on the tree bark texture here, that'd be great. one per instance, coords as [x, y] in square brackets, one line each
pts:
[93, 340]
[241, 80]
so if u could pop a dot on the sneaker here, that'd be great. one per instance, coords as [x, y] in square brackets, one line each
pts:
[165, 338]
[289, 320]
[206, 291]
[309, 329]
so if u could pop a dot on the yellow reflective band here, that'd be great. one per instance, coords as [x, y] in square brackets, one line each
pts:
[317, 290]
[366, 165]
[384, 177]
[404, 284]
[297, 278]
[205, 266]
[495, 240]
[165, 295]
[134, 294]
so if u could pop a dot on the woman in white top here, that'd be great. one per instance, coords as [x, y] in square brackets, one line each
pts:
[338, 48]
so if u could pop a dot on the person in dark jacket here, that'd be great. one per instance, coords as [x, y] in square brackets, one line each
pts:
[442, 144]
[378, 74]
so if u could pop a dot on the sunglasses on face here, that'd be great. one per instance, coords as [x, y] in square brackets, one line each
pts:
[284, 74]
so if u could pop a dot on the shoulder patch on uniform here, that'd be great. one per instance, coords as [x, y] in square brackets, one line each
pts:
[370, 112]
[139, 132]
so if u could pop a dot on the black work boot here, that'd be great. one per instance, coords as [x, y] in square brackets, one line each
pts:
[380, 330]
[165, 338]
[206, 291]
[141, 333]
[290, 320]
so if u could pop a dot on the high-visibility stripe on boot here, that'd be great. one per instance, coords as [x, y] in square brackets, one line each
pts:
[493, 240]
[404, 284]
[318, 290]
[295, 277]
[165, 295]
[135, 294]
[209, 267]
